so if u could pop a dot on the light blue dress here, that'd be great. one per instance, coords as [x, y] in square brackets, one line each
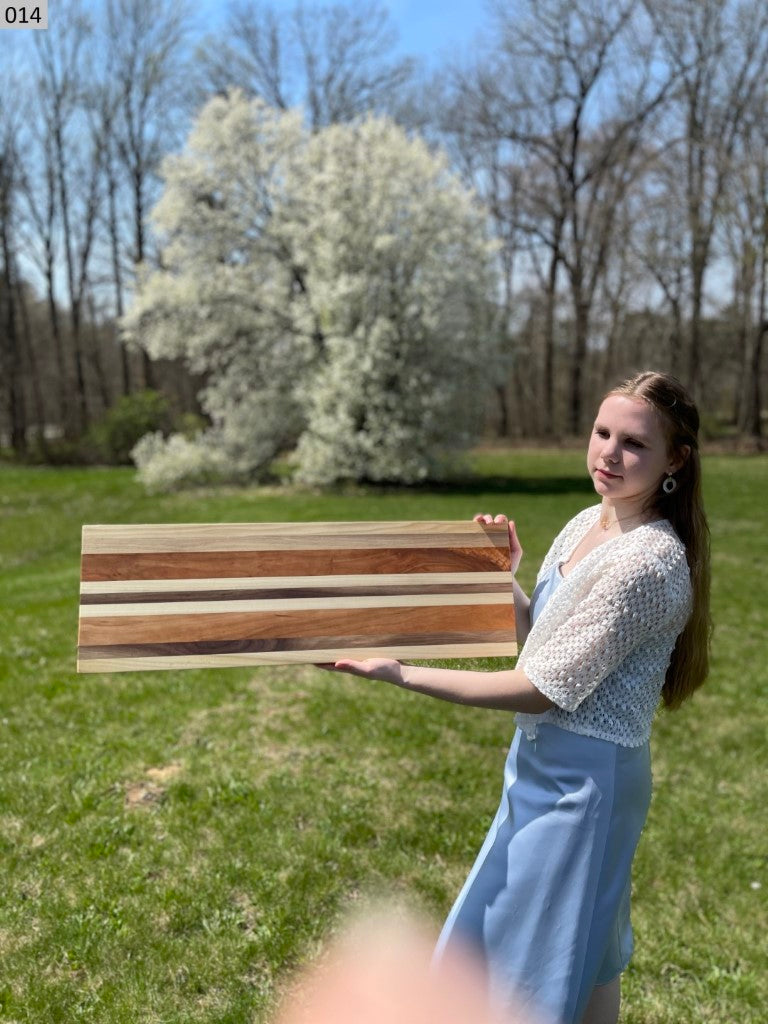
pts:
[546, 903]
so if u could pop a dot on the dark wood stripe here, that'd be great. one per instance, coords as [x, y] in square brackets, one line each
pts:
[327, 562]
[312, 643]
[295, 592]
[362, 622]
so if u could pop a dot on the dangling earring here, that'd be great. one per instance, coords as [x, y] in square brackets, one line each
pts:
[670, 484]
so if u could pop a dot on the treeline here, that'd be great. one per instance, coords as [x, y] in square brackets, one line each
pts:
[619, 149]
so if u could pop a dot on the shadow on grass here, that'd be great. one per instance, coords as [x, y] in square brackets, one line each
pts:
[520, 485]
[493, 485]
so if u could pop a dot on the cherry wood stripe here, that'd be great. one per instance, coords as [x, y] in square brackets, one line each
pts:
[482, 649]
[254, 625]
[183, 565]
[310, 643]
[234, 537]
[297, 593]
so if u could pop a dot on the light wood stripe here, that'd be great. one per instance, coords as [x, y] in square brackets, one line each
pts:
[250, 626]
[227, 537]
[185, 661]
[287, 605]
[348, 594]
[413, 579]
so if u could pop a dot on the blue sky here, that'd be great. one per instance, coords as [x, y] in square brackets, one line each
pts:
[429, 29]
[432, 28]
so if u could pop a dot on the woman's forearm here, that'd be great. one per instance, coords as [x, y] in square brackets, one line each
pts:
[507, 690]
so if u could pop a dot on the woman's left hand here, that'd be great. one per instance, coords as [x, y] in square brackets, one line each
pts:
[386, 669]
[515, 547]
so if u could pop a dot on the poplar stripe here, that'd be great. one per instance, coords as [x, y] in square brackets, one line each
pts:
[297, 595]
[227, 537]
[329, 655]
[244, 626]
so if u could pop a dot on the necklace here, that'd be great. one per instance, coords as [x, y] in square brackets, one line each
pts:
[606, 524]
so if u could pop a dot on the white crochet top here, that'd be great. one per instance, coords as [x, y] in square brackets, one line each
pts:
[602, 643]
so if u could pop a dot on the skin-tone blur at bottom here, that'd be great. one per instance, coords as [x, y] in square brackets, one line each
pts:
[380, 971]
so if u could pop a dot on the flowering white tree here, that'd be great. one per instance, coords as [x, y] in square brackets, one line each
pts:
[332, 287]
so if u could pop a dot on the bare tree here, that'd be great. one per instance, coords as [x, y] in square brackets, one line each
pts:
[11, 359]
[615, 297]
[73, 158]
[52, 186]
[102, 104]
[658, 242]
[144, 103]
[745, 224]
[572, 86]
[334, 60]
[718, 53]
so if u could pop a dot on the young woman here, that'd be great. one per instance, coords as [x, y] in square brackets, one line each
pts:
[618, 620]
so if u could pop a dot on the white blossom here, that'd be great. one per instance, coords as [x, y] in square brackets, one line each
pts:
[333, 289]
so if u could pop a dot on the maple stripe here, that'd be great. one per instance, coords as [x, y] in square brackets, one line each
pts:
[229, 537]
[197, 661]
[181, 565]
[326, 622]
[161, 650]
[297, 593]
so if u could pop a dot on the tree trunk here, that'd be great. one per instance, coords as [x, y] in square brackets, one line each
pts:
[12, 364]
[751, 422]
[694, 337]
[81, 404]
[752, 406]
[581, 327]
[33, 371]
[98, 364]
[548, 383]
[504, 425]
[117, 278]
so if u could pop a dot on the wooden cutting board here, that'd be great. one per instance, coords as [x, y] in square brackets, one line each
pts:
[227, 594]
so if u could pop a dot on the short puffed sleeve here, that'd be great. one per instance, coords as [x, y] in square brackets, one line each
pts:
[624, 608]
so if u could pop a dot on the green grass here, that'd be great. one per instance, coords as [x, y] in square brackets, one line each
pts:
[173, 844]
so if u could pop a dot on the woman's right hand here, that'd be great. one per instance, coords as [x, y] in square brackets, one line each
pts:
[515, 548]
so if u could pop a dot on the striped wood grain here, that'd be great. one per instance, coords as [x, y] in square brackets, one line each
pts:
[213, 595]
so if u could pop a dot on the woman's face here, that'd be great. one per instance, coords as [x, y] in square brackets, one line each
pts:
[628, 456]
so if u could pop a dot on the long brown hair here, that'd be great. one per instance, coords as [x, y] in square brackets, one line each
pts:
[684, 508]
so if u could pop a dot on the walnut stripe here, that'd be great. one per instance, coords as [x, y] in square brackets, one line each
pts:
[206, 537]
[414, 579]
[202, 607]
[196, 661]
[182, 565]
[310, 643]
[297, 594]
[372, 622]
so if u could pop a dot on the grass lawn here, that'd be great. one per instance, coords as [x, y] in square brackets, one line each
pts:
[174, 844]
